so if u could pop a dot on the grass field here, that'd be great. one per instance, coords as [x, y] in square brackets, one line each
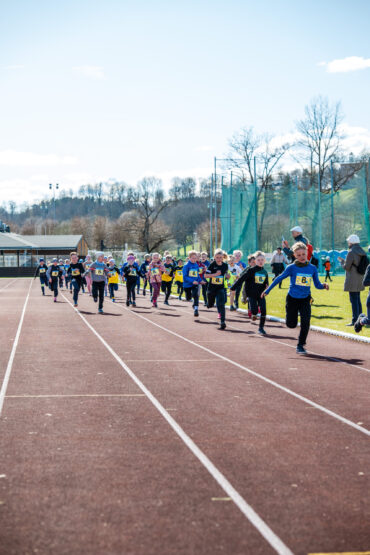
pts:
[331, 309]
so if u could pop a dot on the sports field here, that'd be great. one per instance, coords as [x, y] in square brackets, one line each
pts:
[146, 431]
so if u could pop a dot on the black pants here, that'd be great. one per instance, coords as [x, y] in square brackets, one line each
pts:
[256, 303]
[355, 298]
[112, 288]
[205, 292]
[276, 274]
[76, 284]
[180, 288]
[238, 289]
[303, 308]
[327, 275]
[131, 285]
[166, 288]
[217, 295]
[43, 282]
[54, 286]
[98, 288]
[192, 293]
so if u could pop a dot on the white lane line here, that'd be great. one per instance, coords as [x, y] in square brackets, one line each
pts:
[265, 338]
[260, 376]
[7, 285]
[265, 531]
[77, 395]
[12, 354]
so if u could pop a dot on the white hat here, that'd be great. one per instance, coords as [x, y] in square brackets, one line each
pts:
[297, 228]
[99, 253]
[353, 239]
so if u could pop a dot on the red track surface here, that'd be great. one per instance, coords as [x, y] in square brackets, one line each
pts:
[91, 465]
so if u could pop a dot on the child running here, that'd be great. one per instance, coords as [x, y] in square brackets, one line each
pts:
[130, 271]
[98, 270]
[53, 274]
[234, 271]
[298, 300]
[76, 271]
[256, 281]
[155, 272]
[113, 278]
[217, 272]
[327, 267]
[41, 272]
[192, 280]
[167, 278]
[88, 279]
[178, 278]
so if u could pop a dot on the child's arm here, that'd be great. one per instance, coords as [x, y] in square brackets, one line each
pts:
[287, 272]
[317, 282]
[240, 280]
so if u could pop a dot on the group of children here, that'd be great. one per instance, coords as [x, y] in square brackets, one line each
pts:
[197, 276]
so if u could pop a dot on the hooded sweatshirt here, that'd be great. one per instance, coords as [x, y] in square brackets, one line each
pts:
[301, 277]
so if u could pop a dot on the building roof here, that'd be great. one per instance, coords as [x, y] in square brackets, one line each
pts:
[13, 241]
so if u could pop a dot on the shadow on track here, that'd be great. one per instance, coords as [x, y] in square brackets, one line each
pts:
[356, 361]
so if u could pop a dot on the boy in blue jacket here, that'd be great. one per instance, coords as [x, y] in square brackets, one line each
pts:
[364, 320]
[298, 300]
[192, 280]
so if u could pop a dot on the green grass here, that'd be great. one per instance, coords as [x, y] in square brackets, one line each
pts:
[331, 309]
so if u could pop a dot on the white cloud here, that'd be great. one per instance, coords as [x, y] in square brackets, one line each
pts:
[17, 158]
[357, 138]
[93, 72]
[351, 63]
[204, 148]
[12, 67]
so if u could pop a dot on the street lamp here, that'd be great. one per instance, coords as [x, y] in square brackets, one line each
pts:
[53, 188]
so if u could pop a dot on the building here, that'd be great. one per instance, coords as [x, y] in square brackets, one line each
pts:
[20, 254]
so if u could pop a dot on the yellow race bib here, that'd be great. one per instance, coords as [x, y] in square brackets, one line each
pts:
[55, 274]
[154, 271]
[76, 272]
[218, 280]
[304, 280]
[42, 270]
[99, 272]
[259, 278]
[193, 273]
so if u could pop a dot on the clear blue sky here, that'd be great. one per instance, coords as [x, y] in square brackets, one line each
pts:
[96, 90]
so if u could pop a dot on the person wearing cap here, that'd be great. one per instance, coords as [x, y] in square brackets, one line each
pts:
[353, 280]
[327, 267]
[41, 272]
[53, 274]
[297, 234]
[98, 271]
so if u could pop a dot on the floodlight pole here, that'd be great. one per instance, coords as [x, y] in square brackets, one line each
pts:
[210, 219]
[319, 209]
[230, 211]
[332, 205]
[216, 238]
[53, 188]
[255, 204]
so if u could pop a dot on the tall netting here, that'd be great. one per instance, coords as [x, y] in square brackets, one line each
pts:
[327, 219]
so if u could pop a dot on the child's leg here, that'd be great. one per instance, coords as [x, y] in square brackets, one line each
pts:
[111, 292]
[305, 314]
[232, 297]
[156, 289]
[291, 318]
[195, 295]
[211, 297]
[94, 290]
[168, 289]
[220, 303]
[181, 289]
[253, 303]
[187, 291]
[262, 305]
[101, 288]
[76, 289]
[55, 288]
[133, 287]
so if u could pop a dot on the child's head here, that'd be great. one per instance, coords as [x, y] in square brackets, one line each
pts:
[100, 256]
[55, 261]
[219, 256]
[204, 256]
[251, 260]
[168, 259]
[131, 259]
[112, 262]
[238, 254]
[180, 262]
[231, 260]
[193, 256]
[300, 251]
[155, 257]
[259, 258]
[74, 257]
[147, 258]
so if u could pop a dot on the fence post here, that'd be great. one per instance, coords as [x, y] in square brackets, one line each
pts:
[255, 206]
[319, 211]
[332, 205]
[210, 219]
[230, 211]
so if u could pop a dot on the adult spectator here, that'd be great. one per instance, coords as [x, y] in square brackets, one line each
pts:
[297, 233]
[353, 280]
[277, 263]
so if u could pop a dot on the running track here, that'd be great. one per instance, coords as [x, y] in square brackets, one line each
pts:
[142, 431]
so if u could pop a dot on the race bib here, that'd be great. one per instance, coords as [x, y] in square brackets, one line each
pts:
[112, 274]
[179, 272]
[218, 280]
[99, 272]
[259, 278]
[55, 274]
[193, 273]
[42, 270]
[155, 271]
[87, 266]
[304, 280]
[76, 272]
[133, 272]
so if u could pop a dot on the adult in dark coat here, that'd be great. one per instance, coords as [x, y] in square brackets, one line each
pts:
[353, 280]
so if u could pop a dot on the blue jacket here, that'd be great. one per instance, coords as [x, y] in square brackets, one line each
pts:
[190, 273]
[300, 280]
[366, 280]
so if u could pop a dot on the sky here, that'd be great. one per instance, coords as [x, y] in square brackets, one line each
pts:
[92, 91]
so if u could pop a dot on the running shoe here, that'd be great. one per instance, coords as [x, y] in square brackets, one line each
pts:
[261, 331]
[166, 302]
[100, 311]
[95, 299]
[113, 300]
[127, 303]
[55, 299]
[219, 316]
[358, 325]
[196, 313]
[232, 307]
[134, 304]
[75, 305]
[254, 317]
[301, 350]
[222, 326]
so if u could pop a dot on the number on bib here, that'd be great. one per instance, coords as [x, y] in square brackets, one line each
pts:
[99, 272]
[259, 278]
[155, 271]
[75, 272]
[218, 280]
[55, 274]
[193, 273]
[304, 280]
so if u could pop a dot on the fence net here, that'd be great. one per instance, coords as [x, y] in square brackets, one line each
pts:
[326, 219]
